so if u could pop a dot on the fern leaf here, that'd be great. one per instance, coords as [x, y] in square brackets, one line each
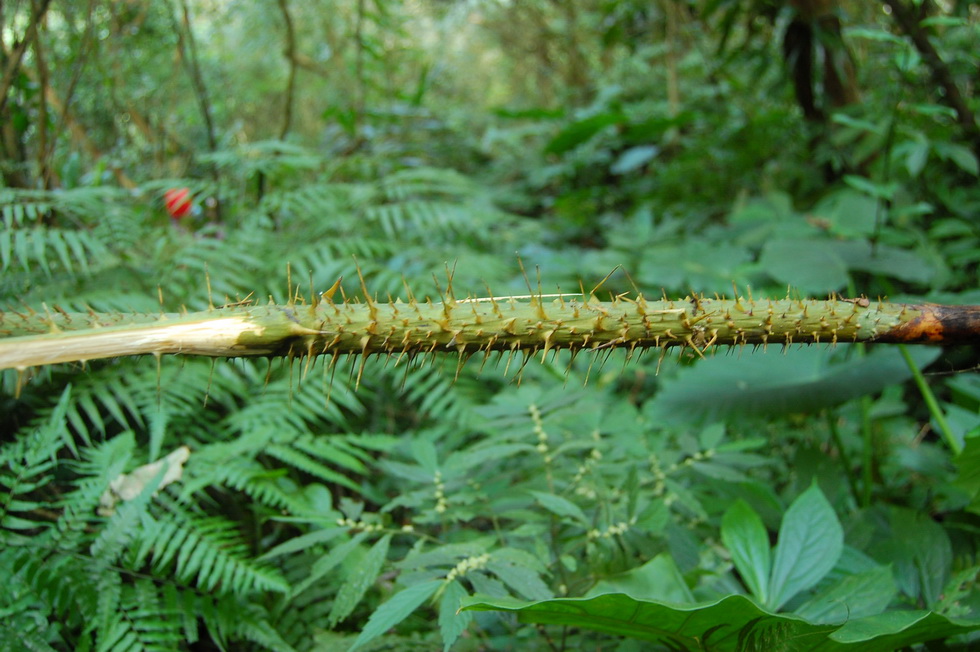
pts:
[208, 551]
[26, 466]
[259, 630]
[305, 463]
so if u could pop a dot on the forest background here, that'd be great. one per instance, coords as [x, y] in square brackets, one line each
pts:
[815, 498]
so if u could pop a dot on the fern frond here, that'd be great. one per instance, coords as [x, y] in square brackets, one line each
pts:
[28, 622]
[20, 207]
[321, 399]
[27, 464]
[224, 263]
[255, 627]
[433, 391]
[21, 633]
[57, 580]
[141, 619]
[307, 464]
[51, 250]
[123, 526]
[269, 487]
[270, 157]
[305, 614]
[428, 181]
[208, 551]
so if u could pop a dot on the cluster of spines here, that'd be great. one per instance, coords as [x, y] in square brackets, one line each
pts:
[695, 320]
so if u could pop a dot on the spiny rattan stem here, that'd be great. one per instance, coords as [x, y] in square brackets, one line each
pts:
[532, 324]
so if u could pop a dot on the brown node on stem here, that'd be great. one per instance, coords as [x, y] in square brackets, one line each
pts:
[936, 324]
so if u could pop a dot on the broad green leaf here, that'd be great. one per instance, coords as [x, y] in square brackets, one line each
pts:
[395, 610]
[810, 265]
[746, 538]
[328, 562]
[359, 579]
[772, 384]
[486, 585]
[561, 506]
[731, 624]
[916, 156]
[461, 461]
[406, 471]
[533, 113]
[452, 621]
[879, 190]
[304, 542]
[933, 110]
[919, 551]
[810, 543]
[964, 159]
[854, 596]
[968, 472]
[719, 471]
[519, 557]
[943, 21]
[521, 579]
[685, 266]
[846, 213]
[658, 579]
[858, 124]
[887, 261]
[874, 35]
[634, 158]
[581, 131]
[774, 207]
[894, 630]
[425, 454]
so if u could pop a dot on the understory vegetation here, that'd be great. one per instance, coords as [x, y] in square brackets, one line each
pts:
[794, 498]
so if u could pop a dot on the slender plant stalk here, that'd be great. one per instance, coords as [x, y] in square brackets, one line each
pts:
[937, 413]
[867, 451]
[845, 459]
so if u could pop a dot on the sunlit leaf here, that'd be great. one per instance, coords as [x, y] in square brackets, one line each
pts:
[747, 540]
[394, 610]
[769, 382]
[854, 596]
[810, 543]
[658, 579]
[729, 624]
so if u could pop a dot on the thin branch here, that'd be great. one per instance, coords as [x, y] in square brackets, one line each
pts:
[81, 59]
[290, 53]
[43, 162]
[359, 99]
[306, 63]
[17, 54]
[187, 49]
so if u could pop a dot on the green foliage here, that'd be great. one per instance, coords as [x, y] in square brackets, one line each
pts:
[796, 498]
[732, 623]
